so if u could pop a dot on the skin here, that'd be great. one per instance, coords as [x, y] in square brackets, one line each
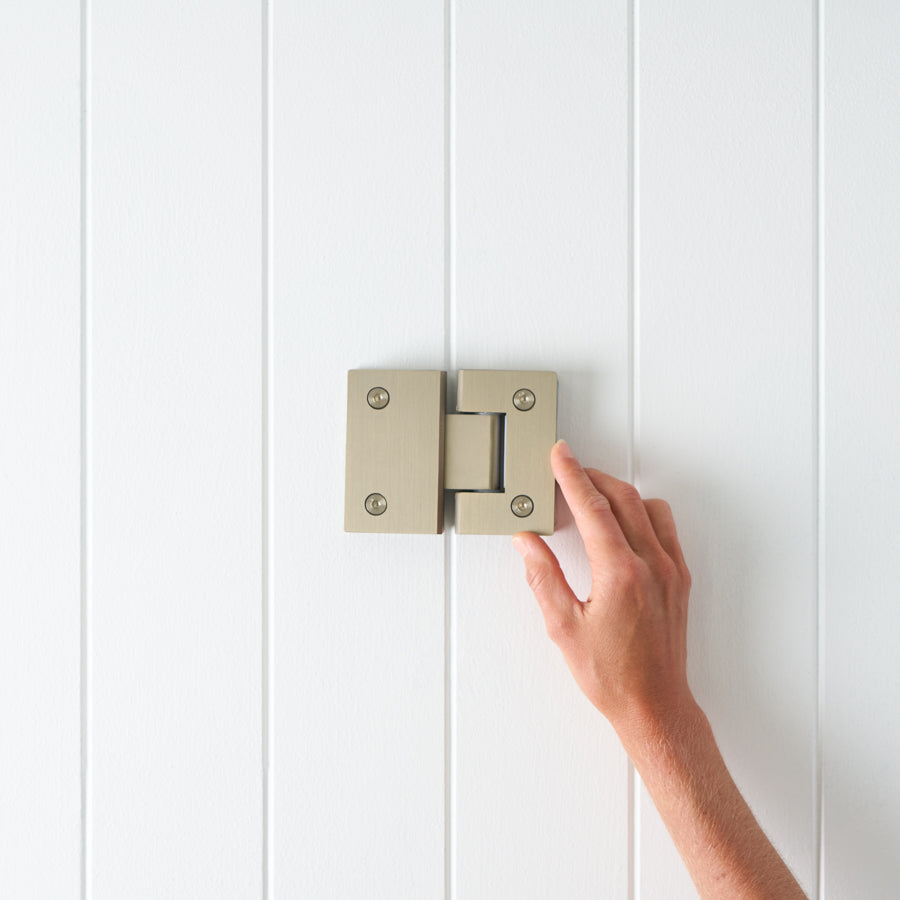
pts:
[626, 647]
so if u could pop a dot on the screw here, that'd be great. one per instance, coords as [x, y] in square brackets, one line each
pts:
[522, 506]
[375, 504]
[523, 399]
[378, 398]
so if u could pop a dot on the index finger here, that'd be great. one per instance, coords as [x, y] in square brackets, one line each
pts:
[600, 530]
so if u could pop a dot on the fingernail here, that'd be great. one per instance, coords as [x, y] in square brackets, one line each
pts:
[564, 450]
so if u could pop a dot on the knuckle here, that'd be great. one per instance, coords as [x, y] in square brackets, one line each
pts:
[629, 570]
[628, 495]
[559, 628]
[539, 578]
[667, 569]
[595, 504]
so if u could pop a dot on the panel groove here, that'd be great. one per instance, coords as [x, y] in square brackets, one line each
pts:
[85, 473]
[450, 714]
[818, 887]
[266, 456]
[450, 679]
[634, 782]
[449, 190]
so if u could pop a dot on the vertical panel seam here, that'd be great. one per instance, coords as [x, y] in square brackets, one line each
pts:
[450, 674]
[450, 682]
[84, 451]
[634, 251]
[819, 350]
[449, 186]
[634, 784]
[267, 447]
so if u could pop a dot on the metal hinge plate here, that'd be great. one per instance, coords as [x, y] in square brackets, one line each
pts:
[404, 451]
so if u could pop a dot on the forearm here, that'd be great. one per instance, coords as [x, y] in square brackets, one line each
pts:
[725, 850]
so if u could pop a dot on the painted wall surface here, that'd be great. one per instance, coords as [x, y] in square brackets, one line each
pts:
[209, 212]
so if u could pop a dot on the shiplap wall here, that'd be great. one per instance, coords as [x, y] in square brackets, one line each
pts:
[210, 211]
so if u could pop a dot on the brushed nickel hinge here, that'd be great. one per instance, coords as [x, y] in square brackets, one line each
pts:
[404, 450]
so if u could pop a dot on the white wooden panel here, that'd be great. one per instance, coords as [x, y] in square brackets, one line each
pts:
[861, 725]
[358, 620]
[541, 277]
[727, 390]
[176, 500]
[40, 438]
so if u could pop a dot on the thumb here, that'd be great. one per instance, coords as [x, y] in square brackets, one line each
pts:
[560, 606]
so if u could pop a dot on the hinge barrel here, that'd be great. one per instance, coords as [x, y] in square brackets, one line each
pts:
[473, 448]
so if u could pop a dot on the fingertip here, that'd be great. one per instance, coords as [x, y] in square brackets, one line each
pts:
[563, 450]
[525, 542]
[562, 460]
[590, 508]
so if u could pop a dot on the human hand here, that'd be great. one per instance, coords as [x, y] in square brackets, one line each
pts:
[626, 645]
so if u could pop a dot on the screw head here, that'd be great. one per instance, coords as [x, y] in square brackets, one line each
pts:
[378, 398]
[522, 506]
[523, 399]
[375, 504]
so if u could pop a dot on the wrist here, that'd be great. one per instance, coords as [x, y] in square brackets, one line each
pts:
[664, 735]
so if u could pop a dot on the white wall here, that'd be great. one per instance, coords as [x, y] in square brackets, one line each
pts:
[211, 211]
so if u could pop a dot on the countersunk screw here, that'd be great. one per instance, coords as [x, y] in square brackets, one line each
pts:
[524, 400]
[522, 506]
[378, 398]
[375, 504]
